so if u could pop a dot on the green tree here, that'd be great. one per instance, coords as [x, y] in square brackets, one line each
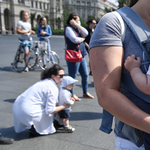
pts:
[32, 16]
[66, 12]
[83, 23]
[46, 15]
[123, 3]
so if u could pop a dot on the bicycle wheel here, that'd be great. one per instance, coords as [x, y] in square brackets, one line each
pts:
[56, 59]
[19, 63]
[32, 59]
[44, 61]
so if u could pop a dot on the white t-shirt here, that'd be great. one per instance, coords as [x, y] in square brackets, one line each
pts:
[25, 26]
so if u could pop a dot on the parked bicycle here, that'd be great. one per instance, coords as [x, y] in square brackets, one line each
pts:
[41, 56]
[19, 59]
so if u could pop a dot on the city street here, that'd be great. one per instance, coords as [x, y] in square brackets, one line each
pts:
[86, 114]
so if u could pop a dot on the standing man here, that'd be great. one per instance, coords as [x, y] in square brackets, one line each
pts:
[24, 29]
[91, 27]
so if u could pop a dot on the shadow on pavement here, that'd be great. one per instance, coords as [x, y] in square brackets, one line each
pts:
[9, 69]
[10, 100]
[85, 116]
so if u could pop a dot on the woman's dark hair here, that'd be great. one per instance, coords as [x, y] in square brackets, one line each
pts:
[72, 16]
[40, 19]
[132, 2]
[47, 73]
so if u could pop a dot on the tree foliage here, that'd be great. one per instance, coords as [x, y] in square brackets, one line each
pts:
[123, 3]
[32, 16]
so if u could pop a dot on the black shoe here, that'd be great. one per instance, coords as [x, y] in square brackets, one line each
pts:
[44, 66]
[57, 125]
[4, 140]
[90, 73]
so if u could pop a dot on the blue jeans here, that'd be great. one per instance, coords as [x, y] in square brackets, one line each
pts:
[50, 55]
[73, 69]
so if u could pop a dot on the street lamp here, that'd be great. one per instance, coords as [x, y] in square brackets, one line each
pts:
[0, 17]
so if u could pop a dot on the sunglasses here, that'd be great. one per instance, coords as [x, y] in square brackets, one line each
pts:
[61, 75]
[93, 23]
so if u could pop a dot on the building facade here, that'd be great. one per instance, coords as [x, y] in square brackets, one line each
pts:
[86, 8]
[11, 11]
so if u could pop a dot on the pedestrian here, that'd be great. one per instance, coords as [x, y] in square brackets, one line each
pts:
[91, 27]
[107, 54]
[43, 31]
[24, 29]
[65, 97]
[4, 140]
[33, 109]
[75, 35]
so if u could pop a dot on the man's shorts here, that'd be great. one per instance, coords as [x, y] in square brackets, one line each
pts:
[27, 44]
[64, 114]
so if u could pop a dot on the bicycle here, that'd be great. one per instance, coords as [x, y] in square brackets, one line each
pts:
[40, 52]
[19, 59]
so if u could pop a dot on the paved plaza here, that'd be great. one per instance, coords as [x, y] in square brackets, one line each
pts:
[86, 114]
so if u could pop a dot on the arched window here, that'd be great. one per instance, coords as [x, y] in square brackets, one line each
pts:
[6, 19]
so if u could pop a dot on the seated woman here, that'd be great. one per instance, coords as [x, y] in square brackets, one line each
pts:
[33, 109]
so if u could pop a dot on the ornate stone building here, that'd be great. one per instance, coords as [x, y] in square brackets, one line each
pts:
[11, 12]
[85, 8]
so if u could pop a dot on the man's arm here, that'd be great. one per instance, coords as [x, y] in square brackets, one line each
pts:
[106, 64]
[19, 31]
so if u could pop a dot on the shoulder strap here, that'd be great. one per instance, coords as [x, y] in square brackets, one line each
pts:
[138, 28]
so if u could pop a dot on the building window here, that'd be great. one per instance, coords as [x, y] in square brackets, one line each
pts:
[78, 2]
[44, 5]
[78, 9]
[32, 4]
[83, 3]
[88, 4]
[47, 6]
[36, 4]
[21, 1]
[40, 5]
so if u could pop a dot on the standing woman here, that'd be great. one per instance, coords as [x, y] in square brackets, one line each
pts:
[33, 110]
[75, 35]
[43, 31]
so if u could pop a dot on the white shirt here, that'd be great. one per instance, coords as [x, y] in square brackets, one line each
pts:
[25, 26]
[64, 97]
[35, 107]
[72, 36]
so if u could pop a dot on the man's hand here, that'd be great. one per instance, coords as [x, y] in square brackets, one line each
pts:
[132, 62]
[32, 32]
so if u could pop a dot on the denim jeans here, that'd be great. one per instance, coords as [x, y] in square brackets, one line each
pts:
[73, 69]
[50, 55]
[27, 44]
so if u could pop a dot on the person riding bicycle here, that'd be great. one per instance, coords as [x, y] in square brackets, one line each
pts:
[24, 29]
[44, 31]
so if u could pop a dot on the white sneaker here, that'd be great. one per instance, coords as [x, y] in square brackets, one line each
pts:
[26, 69]
[69, 129]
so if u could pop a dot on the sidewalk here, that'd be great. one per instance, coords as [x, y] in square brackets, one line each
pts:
[85, 116]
